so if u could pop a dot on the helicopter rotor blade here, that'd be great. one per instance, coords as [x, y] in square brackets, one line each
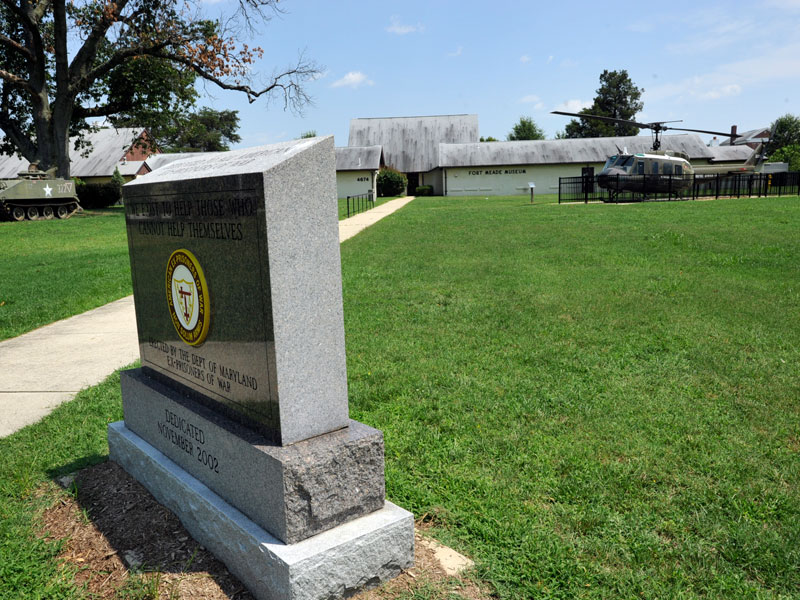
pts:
[609, 119]
[725, 134]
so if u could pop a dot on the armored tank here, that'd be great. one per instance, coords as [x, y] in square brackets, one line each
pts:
[34, 196]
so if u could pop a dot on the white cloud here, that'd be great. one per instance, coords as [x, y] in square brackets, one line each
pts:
[524, 58]
[353, 79]
[534, 100]
[732, 89]
[403, 29]
[731, 79]
[573, 106]
[457, 52]
[550, 59]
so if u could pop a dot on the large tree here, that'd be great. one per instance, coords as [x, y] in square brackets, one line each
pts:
[618, 98]
[203, 130]
[525, 129]
[63, 62]
[785, 132]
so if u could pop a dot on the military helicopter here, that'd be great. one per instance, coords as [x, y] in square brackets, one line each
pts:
[657, 171]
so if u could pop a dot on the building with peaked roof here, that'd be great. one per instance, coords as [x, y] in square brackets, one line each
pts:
[411, 144]
[357, 170]
[104, 150]
[506, 168]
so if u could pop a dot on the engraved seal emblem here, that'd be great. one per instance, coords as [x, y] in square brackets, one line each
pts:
[187, 297]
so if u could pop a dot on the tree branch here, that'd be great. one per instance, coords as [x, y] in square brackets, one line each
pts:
[60, 37]
[78, 69]
[22, 15]
[106, 110]
[123, 54]
[294, 96]
[38, 11]
[13, 45]
[18, 137]
[17, 81]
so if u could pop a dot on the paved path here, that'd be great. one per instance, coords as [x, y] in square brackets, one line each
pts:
[48, 366]
[349, 227]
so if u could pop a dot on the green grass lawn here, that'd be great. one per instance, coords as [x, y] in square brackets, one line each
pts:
[343, 205]
[55, 269]
[591, 401]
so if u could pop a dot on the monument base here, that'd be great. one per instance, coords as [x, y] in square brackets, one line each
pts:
[359, 554]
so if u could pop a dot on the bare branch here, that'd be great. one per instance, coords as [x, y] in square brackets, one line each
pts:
[289, 82]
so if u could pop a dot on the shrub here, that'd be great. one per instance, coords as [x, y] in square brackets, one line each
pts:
[391, 182]
[424, 190]
[98, 195]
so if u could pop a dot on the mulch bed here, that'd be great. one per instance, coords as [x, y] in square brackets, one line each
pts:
[117, 534]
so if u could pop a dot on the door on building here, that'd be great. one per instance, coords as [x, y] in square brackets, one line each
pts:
[413, 182]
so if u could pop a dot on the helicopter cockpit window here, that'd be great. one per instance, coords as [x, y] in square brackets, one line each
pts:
[610, 161]
[624, 162]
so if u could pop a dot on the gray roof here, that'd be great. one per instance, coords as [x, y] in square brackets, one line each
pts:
[359, 158]
[130, 168]
[411, 144]
[108, 147]
[11, 165]
[730, 153]
[748, 137]
[552, 152]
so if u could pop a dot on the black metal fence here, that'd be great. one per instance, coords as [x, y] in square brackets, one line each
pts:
[359, 203]
[648, 188]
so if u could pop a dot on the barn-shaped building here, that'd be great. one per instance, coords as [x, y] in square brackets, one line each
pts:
[411, 144]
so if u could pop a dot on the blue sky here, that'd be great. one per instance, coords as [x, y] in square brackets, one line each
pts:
[711, 64]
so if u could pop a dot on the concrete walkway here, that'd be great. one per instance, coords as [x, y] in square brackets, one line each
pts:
[349, 227]
[50, 365]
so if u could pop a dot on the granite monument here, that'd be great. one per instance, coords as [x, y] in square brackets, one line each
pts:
[238, 419]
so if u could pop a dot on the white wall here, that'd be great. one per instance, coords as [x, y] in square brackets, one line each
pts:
[509, 180]
[433, 178]
[353, 183]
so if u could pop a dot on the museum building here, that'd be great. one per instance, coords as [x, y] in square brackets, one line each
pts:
[445, 153]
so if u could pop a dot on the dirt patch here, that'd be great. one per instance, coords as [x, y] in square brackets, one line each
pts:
[124, 544]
